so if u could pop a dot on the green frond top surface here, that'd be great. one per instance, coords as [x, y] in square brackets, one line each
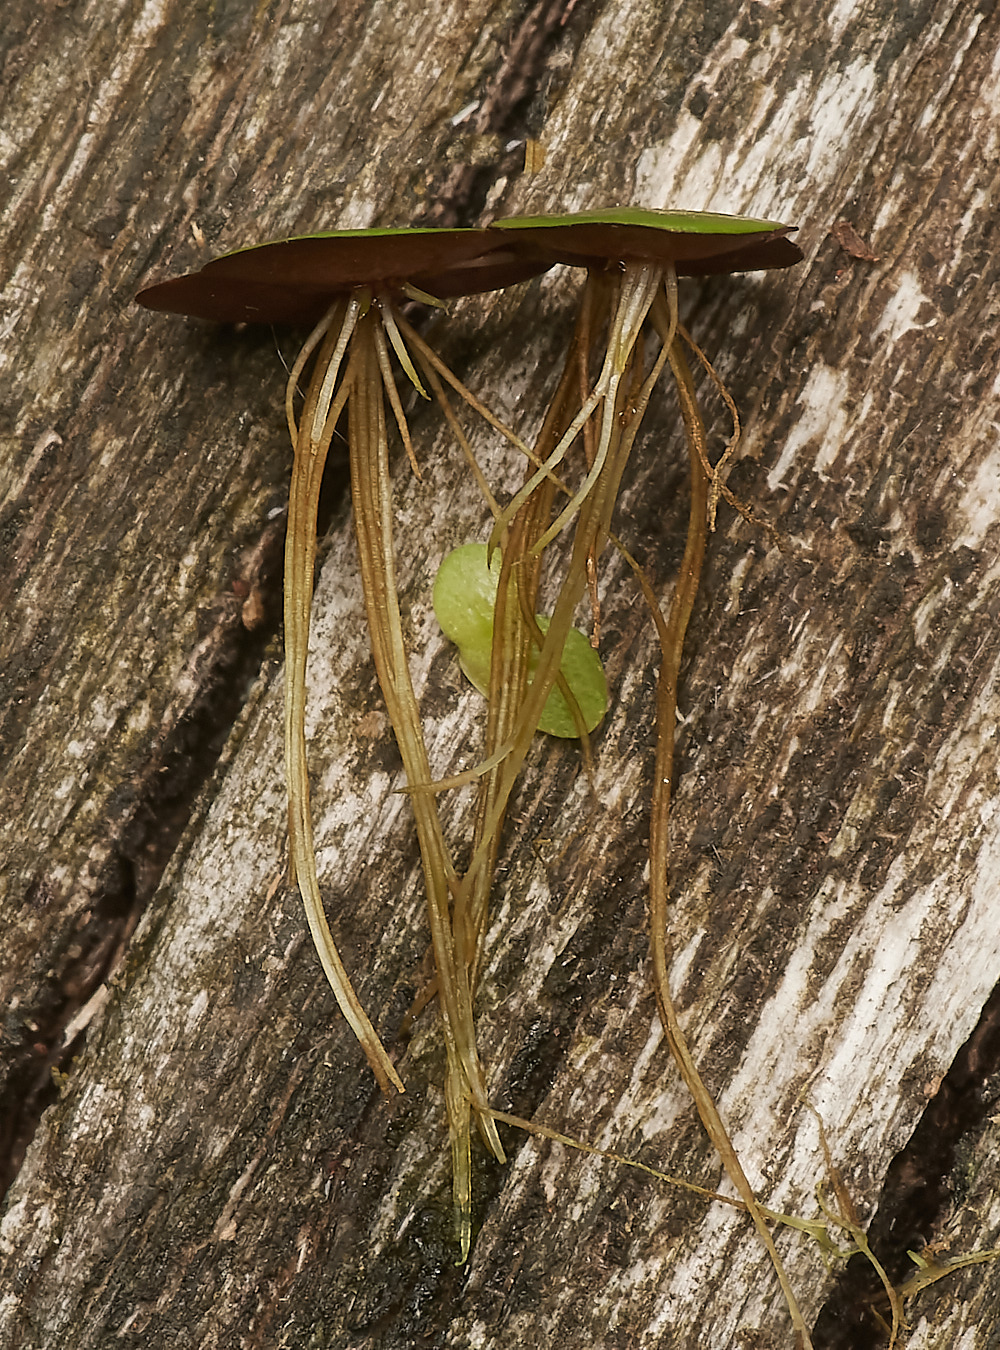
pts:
[695, 242]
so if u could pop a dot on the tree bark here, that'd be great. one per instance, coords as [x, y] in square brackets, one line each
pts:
[218, 1168]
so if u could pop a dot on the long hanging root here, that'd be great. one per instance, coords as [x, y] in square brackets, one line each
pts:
[351, 334]
[515, 703]
[639, 293]
[671, 635]
[311, 438]
[371, 489]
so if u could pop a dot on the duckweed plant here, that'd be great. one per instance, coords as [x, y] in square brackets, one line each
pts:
[537, 671]
[633, 259]
[349, 285]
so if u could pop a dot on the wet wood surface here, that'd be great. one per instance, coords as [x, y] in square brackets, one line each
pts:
[216, 1167]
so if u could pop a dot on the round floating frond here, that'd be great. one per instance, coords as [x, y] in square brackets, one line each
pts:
[294, 280]
[695, 242]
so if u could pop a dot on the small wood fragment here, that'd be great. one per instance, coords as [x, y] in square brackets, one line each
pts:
[851, 242]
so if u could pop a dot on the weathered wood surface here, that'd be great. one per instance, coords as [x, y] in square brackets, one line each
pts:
[219, 1169]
